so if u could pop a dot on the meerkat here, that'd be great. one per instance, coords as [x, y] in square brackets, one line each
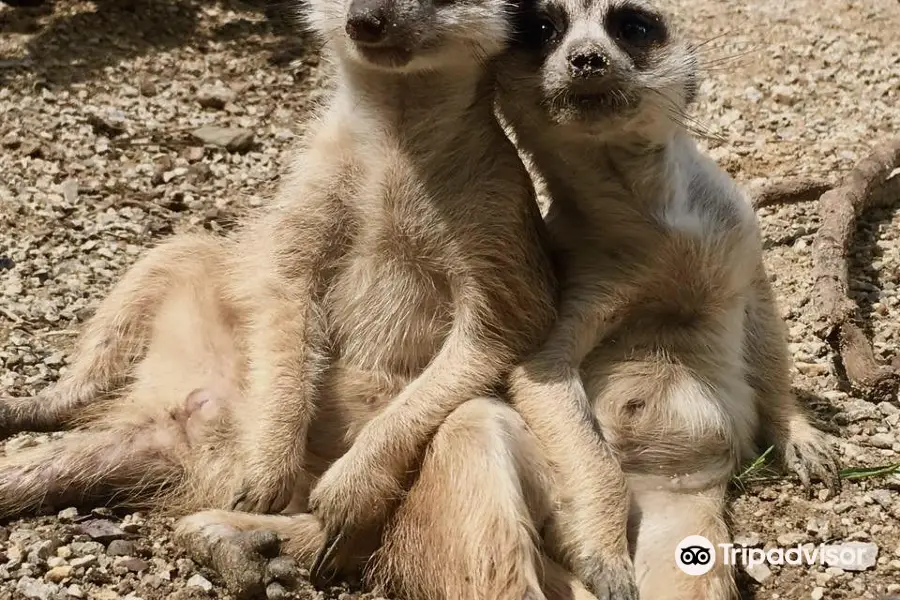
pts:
[668, 358]
[340, 352]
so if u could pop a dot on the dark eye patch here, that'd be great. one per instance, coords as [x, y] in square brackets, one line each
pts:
[635, 28]
[541, 27]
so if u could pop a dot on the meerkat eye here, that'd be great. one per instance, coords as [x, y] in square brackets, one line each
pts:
[541, 28]
[547, 30]
[636, 28]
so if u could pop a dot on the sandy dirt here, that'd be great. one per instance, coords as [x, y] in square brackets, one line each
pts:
[98, 102]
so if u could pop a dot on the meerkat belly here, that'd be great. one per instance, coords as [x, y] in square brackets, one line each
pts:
[388, 319]
[673, 396]
[389, 315]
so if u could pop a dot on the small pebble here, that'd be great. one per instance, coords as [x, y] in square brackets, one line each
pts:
[760, 572]
[83, 561]
[199, 581]
[102, 530]
[68, 515]
[120, 548]
[58, 574]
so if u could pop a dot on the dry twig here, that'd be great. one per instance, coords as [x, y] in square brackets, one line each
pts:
[839, 209]
[789, 192]
[793, 191]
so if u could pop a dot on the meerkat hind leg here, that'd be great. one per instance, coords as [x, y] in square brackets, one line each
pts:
[465, 531]
[89, 466]
[127, 456]
[804, 449]
[116, 335]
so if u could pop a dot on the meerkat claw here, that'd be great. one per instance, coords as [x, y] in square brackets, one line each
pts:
[238, 499]
[323, 569]
[803, 473]
[835, 483]
[829, 472]
[810, 464]
[613, 581]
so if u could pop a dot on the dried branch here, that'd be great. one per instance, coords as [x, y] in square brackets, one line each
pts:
[793, 191]
[789, 192]
[839, 210]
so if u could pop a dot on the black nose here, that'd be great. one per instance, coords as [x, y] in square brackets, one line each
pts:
[366, 21]
[588, 63]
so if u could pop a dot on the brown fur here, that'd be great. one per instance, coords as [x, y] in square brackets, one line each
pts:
[397, 277]
[668, 347]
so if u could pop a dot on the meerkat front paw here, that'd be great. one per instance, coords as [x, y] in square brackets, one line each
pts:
[265, 495]
[609, 579]
[594, 539]
[353, 495]
[808, 453]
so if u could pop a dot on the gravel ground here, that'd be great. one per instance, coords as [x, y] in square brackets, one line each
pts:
[100, 157]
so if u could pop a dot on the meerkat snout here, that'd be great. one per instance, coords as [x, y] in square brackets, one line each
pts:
[588, 62]
[413, 36]
[367, 21]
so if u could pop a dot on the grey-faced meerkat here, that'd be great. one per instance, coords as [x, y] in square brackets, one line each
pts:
[668, 357]
[397, 277]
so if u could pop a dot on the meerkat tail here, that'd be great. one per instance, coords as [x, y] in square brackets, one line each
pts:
[84, 467]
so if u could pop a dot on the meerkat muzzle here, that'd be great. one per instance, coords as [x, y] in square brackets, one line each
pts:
[367, 21]
[588, 62]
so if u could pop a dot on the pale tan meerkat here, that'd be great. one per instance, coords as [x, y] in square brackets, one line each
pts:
[397, 278]
[668, 356]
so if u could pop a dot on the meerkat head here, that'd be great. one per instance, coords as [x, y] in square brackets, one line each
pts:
[604, 68]
[413, 35]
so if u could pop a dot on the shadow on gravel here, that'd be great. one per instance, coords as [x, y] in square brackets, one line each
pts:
[73, 43]
[820, 408]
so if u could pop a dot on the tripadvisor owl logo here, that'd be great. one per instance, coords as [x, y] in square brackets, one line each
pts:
[695, 555]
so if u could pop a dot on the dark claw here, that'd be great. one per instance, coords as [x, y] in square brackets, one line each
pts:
[323, 570]
[830, 474]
